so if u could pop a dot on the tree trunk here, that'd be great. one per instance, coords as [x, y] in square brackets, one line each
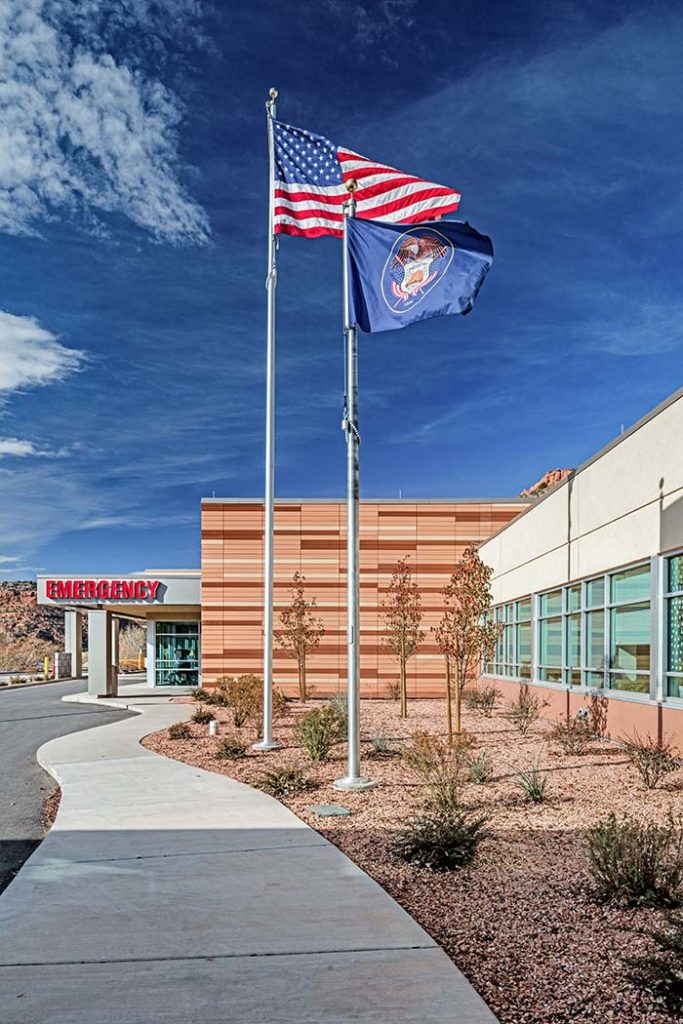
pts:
[302, 678]
[457, 698]
[404, 694]
[449, 706]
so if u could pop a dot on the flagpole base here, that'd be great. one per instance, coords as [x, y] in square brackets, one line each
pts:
[262, 745]
[353, 784]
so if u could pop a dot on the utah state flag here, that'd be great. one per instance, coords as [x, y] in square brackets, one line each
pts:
[399, 275]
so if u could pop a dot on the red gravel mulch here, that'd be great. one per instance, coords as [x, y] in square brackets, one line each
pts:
[50, 808]
[519, 921]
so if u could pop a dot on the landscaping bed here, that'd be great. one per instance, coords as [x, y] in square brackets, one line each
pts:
[520, 921]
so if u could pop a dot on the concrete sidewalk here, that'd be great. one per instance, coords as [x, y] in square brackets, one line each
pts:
[171, 895]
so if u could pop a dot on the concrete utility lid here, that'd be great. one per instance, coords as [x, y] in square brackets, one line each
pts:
[329, 810]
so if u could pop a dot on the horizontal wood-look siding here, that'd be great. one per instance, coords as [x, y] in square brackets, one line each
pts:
[311, 538]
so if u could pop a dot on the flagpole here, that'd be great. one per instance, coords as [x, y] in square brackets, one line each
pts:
[267, 742]
[353, 779]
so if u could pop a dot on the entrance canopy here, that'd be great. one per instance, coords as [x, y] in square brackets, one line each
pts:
[168, 600]
[144, 595]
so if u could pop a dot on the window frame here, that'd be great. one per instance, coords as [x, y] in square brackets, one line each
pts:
[658, 596]
[665, 595]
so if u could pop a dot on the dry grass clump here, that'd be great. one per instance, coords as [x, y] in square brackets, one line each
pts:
[532, 784]
[440, 766]
[481, 767]
[179, 731]
[284, 781]
[482, 700]
[572, 735]
[598, 708]
[525, 709]
[231, 748]
[202, 716]
[652, 758]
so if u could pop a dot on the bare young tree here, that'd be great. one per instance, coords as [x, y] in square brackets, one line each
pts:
[466, 635]
[301, 631]
[402, 612]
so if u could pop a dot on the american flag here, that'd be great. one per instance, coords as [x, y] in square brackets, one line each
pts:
[310, 177]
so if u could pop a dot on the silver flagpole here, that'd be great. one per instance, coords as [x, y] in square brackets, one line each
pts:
[353, 780]
[267, 742]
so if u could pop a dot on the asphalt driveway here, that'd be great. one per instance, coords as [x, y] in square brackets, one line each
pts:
[29, 717]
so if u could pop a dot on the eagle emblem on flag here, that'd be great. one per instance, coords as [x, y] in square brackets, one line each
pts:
[418, 260]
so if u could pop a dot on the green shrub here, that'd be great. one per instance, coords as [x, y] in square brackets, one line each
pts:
[319, 730]
[483, 700]
[525, 709]
[637, 864]
[382, 748]
[280, 702]
[279, 782]
[202, 716]
[443, 841]
[440, 767]
[231, 748]
[179, 731]
[661, 970]
[480, 768]
[532, 783]
[340, 703]
[652, 758]
[244, 696]
[203, 696]
[572, 734]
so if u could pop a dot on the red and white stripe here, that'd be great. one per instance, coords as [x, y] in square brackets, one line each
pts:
[383, 194]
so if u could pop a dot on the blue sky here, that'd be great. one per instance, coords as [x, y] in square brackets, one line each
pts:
[133, 199]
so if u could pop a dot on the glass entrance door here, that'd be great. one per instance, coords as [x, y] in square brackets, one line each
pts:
[177, 654]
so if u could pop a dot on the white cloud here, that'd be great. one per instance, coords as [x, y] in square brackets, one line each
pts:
[30, 355]
[83, 133]
[20, 448]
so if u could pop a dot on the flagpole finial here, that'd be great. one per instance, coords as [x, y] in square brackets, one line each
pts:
[273, 94]
[351, 185]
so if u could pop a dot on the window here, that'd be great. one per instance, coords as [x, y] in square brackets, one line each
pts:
[573, 649]
[523, 638]
[674, 623]
[595, 592]
[629, 630]
[512, 656]
[595, 633]
[595, 648]
[177, 654]
[550, 637]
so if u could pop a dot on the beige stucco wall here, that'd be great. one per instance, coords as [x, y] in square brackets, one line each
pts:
[624, 505]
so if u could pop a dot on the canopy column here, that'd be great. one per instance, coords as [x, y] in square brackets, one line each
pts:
[73, 640]
[115, 632]
[151, 652]
[102, 678]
